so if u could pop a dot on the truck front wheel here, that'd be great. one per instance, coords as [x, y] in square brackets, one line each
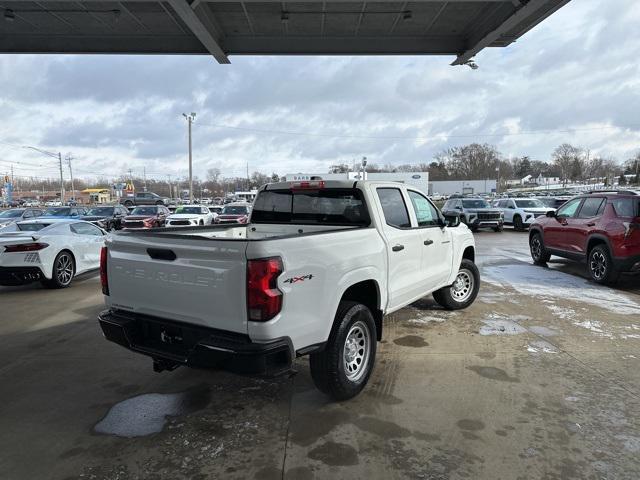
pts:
[464, 289]
[343, 368]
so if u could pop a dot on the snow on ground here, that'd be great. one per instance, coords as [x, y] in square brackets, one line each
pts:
[497, 324]
[545, 283]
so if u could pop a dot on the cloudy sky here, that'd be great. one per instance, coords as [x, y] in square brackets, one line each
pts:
[574, 78]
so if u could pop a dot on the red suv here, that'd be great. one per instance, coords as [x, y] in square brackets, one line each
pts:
[601, 228]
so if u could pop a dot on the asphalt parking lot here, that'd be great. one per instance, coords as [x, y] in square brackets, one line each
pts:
[540, 378]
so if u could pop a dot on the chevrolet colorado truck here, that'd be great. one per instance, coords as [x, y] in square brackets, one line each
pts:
[313, 272]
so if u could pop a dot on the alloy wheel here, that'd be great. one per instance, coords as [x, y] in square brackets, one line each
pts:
[598, 265]
[64, 269]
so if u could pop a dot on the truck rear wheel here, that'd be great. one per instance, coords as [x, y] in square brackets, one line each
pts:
[343, 368]
[464, 289]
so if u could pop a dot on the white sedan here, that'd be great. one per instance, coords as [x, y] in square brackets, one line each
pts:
[190, 215]
[52, 251]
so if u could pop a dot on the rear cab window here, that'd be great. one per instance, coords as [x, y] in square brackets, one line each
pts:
[332, 206]
[393, 207]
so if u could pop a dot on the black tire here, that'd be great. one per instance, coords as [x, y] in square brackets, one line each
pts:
[354, 329]
[539, 253]
[159, 202]
[499, 228]
[517, 223]
[463, 291]
[474, 228]
[64, 269]
[128, 203]
[600, 266]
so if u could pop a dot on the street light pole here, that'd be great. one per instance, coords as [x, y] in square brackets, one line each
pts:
[190, 118]
[73, 189]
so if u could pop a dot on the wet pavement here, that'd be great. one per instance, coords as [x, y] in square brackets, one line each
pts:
[540, 378]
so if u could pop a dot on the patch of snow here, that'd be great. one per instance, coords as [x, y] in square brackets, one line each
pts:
[592, 325]
[496, 324]
[540, 346]
[561, 312]
[572, 399]
[427, 319]
[549, 283]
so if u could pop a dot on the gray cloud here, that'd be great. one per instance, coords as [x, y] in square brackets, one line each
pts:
[575, 71]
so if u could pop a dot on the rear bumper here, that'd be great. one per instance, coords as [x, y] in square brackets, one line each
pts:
[178, 343]
[11, 276]
[627, 264]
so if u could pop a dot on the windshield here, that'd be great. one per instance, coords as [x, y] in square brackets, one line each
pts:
[100, 211]
[531, 203]
[144, 211]
[192, 210]
[547, 202]
[11, 213]
[58, 212]
[475, 203]
[313, 207]
[235, 210]
[32, 227]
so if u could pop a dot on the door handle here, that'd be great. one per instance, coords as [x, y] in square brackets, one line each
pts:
[428, 242]
[591, 224]
[397, 248]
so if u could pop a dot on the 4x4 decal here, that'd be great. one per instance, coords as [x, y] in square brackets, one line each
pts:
[299, 279]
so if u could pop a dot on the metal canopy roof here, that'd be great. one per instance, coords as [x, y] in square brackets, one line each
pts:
[222, 28]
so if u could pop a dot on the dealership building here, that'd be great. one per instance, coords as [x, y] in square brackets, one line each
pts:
[419, 180]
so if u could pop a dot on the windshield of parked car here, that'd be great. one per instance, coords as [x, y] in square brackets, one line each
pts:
[475, 203]
[191, 210]
[58, 212]
[548, 202]
[100, 211]
[235, 210]
[144, 211]
[32, 227]
[529, 203]
[312, 207]
[11, 213]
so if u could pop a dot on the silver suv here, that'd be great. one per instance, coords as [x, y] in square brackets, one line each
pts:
[475, 212]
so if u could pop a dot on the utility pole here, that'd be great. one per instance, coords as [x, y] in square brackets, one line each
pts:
[190, 118]
[73, 190]
[170, 188]
[61, 179]
[144, 176]
[248, 180]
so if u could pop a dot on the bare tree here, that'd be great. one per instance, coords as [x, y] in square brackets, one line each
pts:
[566, 159]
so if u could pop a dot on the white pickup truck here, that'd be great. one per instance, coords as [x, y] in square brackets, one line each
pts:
[314, 272]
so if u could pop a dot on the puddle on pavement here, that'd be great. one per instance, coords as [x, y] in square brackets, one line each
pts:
[496, 324]
[147, 414]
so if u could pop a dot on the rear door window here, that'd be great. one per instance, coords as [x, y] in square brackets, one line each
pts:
[590, 207]
[394, 208]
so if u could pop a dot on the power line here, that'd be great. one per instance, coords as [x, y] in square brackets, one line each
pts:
[393, 137]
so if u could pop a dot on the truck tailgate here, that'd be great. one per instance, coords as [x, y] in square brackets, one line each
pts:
[190, 279]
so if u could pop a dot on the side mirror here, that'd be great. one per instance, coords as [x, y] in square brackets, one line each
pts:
[512, 207]
[551, 213]
[458, 207]
[451, 220]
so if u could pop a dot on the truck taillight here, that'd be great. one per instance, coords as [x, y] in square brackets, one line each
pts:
[25, 247]
[104, 280]
[264, 300]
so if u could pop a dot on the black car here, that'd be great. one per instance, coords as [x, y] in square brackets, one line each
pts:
[108, 217]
